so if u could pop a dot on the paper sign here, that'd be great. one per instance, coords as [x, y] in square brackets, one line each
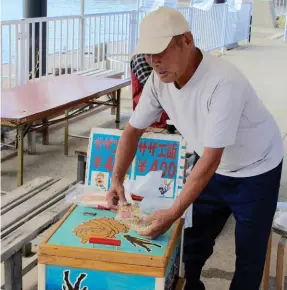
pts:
[155, 152]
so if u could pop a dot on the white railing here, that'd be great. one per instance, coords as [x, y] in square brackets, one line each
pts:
[280, 7]
[37, 46]
[51, 46]
[285, 33]
[108, 34]
[54, 45]
[208, 27]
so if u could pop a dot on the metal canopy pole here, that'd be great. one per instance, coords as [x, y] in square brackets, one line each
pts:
[82, 35]
[33, 9]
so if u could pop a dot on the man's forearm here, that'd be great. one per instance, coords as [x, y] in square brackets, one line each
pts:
[125, 153]
[196, 182]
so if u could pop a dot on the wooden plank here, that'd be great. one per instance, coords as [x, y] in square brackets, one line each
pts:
[102, 266]
[13, 272]
[32, 214]
[27, 232]
[95, 254]
[176, 233]
[82, 151]
[23, 190]
[28, 265]
[18, 201]
[35, 202]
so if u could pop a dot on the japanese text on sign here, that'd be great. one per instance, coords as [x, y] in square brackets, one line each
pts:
[153, 155]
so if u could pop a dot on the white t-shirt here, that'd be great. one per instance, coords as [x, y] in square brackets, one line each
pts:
[216, 108]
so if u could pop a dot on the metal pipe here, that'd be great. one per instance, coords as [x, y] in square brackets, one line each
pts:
[36, 9]
[20, 137]
[82, 35]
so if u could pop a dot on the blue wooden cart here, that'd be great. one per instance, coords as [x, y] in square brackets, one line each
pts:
[90, 249]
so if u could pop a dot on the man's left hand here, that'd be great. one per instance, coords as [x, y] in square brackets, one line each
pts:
[160, 220]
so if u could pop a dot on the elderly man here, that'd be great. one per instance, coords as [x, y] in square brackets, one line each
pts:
[241, 151]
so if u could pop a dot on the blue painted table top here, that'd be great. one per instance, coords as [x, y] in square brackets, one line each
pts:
[84, 222]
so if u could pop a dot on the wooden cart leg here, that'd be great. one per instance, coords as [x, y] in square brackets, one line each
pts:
[118, 102]
[13, 272]
[280, 263]
[41, 277]
[45, 133]
[265, 279]
[20, 136]
[66, 136]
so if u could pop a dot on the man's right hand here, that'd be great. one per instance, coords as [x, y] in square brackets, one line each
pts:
[126, 150]
[115, 195]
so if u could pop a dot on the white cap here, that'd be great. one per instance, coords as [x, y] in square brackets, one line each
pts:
[158, 28]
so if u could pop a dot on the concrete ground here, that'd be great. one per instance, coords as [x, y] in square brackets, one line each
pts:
[264, 62]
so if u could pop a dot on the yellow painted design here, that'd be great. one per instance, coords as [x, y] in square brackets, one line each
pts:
[102, 228]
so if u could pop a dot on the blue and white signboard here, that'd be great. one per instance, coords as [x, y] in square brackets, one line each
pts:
[155, 152]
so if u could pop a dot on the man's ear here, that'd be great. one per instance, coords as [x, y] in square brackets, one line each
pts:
[188, 39]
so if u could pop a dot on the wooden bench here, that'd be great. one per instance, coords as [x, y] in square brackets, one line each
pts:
[26, 212]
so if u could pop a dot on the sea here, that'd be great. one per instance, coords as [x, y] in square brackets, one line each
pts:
[13, 10]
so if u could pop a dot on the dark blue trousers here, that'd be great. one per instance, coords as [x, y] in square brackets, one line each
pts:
[252, 201]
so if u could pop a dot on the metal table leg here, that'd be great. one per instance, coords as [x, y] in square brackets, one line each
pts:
[32, 142]
[20, 137]
[66, 140]
[118, 103]
[45, 133]
[114, 99]
[81, 168]
[13, 272]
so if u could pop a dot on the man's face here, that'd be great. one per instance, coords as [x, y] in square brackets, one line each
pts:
[172, 63]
